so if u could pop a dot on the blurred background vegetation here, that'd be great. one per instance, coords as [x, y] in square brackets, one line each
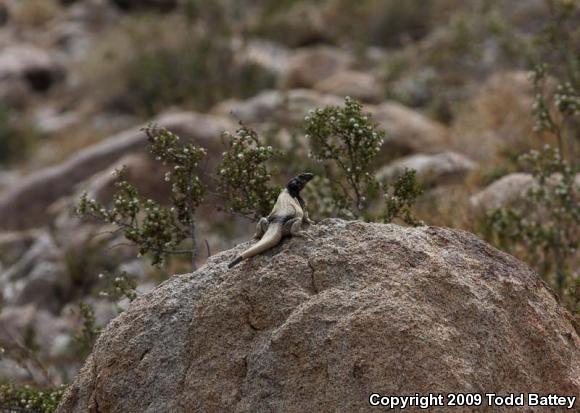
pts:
[478, 101]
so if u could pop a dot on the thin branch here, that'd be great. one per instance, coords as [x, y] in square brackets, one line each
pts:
[235, 213]
[31, 356]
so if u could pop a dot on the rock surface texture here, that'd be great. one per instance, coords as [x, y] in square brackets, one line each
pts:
[319, 325]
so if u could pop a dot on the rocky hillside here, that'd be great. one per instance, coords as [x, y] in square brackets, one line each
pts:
[320, 325]
[447, 81]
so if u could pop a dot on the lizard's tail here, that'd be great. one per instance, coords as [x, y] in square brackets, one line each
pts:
[271, 238]
[235, 261]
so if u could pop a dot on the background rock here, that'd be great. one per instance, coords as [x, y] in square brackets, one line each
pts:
[408, 131]
[36, 278]
[358, 85]
[311, 65]
[364, 308]
[485, 127]
[27, 202]
[505, 192]
[27, 69]
[277, 107]
[439, 169]
[141, 170]
[511, 191]
[297, 25]
[159, 5]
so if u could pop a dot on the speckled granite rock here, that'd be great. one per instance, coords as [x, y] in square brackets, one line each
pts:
[320, 325]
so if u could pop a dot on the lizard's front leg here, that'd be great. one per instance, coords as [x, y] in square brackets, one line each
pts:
[307, 219]
[261, 228]
[294, 227]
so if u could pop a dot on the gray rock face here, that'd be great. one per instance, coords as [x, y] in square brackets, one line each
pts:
[484, 125]
[359, 85]
[508, 191]
[320, 325]
[297, 25]
[140, 169]
[37, 278]
[439, 169]
[408, 131]
[269, 55]
[26, 204]
[310, 65]
[277, 106]
[25, 68]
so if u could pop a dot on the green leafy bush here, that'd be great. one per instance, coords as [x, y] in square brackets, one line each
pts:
[401, 197]
[158, 230]
[545, 230]
[29, 399]
[345, 142]
[88, 332]
[243, 177]
[119, 287]
[116, 288]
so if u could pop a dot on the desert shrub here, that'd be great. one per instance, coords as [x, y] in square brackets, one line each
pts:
[114, 289]
[558, 42]
[243, 176]
[545, 229]
[401, 197]
[156, 229]
[28, 399]
[344, 141]
[118, 287]
[150, 63]
[17, 137]
[23, 350]
[87, 334]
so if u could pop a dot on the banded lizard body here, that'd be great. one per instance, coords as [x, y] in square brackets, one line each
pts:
[286, 218]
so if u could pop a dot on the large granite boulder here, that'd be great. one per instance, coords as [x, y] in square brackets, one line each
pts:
[319, 325]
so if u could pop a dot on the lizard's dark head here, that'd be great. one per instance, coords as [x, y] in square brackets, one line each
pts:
[298, 183]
